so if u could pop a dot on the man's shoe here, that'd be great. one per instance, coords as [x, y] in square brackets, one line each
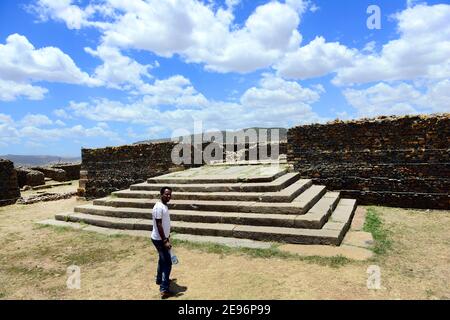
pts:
[158, 282]
[167, 294]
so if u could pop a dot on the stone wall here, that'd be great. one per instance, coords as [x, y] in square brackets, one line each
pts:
[115, 168]
[53, 173]
[28, 177]
[392, 161]
[9, 187]
[72, 170]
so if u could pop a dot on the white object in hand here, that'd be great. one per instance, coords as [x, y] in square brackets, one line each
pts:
[173, 257]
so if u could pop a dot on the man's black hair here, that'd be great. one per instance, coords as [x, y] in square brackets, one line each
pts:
[164, 189]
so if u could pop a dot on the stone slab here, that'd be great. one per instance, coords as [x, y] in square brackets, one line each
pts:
[57, 223]
[359, 218]
[334, 225]
[229, 242]
[210, 174]
[274, 185]
[358, 239]
[284, 195]
[204, 205]
[349, 252]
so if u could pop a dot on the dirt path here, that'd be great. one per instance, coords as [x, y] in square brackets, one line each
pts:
[34, 259]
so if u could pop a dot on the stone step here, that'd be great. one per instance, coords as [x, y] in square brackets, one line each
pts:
[314, 219]
[281, 160]
[342, 216]
[273, 186]
[332, 233]
[309, 198]
[229, 242]
[284, 195]
[211, 178]
[299, 205]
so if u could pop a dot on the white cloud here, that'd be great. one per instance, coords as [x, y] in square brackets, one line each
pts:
[66, 11]
[206, 33]
[382, 99]
[400, 99]
[422, 51]
[318, 58]
[22, 64]
[10, 91]
[274, 102]
[36, 130]
[61, 113]
[35, 120]
[437, 97]
[117, 70]
[267, 33]
[176, 91]
[369, 47]
[275, 91]
[103, 125]
[192, 29]
[8, 133]
[35, 134]
[60, 10]
[313, 8]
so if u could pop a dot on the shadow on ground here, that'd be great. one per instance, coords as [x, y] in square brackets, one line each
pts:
[177, 289]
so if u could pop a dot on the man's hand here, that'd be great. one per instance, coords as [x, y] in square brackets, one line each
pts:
[167, 244]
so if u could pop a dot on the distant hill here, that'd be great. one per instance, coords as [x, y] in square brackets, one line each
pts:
[30, 160]
[282, 135]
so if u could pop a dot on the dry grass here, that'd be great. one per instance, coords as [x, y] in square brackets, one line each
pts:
[34, 259]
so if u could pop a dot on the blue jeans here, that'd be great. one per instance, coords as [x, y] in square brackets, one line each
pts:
[164, 265]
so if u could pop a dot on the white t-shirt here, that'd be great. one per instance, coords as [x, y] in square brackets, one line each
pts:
[160, 211]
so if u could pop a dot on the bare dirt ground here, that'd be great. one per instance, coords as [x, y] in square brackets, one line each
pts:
[34, 260]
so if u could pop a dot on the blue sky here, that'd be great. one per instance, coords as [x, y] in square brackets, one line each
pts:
[110, 72]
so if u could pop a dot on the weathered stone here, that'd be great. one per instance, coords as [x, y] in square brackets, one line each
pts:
[9, 187]
[358, 239]
[287, 221]
[54, 174]
[45, 197]
[359, 218]
[349, 252]
[29, 177]
[395, 161]
[72, 170]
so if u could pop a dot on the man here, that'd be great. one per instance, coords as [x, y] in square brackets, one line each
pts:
[160, 238]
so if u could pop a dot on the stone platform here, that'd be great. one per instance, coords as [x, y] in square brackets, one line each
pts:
[255, 202]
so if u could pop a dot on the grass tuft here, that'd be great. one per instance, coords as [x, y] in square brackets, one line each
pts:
[272, 252]
[93, 256]
[374, 224]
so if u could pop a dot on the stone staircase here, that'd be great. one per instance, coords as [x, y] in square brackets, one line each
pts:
[258, 202]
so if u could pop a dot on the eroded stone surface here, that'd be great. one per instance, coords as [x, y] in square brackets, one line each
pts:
[359, 218]
[358, 239]
[346, 251]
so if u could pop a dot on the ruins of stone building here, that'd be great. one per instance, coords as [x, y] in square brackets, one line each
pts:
[392, 161]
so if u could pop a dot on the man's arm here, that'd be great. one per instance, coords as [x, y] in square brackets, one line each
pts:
[161, 233]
